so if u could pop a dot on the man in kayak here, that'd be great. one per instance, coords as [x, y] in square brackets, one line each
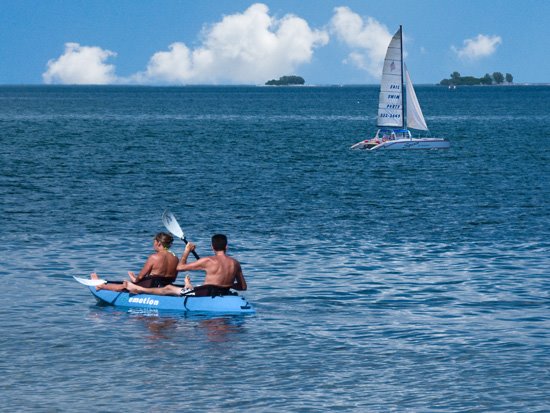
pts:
[222, 273]
[159, 270]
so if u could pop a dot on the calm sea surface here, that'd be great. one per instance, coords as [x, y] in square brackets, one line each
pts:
[412, 281]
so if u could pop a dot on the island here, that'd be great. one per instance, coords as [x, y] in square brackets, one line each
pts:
[496, 78]
[286, 81]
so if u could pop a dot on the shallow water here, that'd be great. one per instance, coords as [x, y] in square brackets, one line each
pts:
[406, 281]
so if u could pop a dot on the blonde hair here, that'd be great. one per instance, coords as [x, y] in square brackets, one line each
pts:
[165, 239]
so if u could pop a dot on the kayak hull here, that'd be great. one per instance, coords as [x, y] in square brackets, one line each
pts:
[227, 304]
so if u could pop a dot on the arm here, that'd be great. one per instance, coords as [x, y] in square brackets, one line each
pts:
[146, 270]
[240, 282]
[194, 266]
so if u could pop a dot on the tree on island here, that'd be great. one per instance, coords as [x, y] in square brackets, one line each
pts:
[458, 80]
[498, 77]
[286, 80]
[487, 79]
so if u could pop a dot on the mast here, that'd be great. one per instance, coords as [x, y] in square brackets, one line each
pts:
[402, 82]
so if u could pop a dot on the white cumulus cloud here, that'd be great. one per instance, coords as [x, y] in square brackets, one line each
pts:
[80, 65]
[368, 39]
[248, 47]
[478, 47]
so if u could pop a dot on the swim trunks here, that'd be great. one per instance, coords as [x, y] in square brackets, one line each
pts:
[207, 290]
[155, 281]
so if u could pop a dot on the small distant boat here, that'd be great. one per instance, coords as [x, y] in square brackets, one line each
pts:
[393, 134]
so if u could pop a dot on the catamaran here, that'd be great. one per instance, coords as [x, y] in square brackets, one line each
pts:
[393, 132]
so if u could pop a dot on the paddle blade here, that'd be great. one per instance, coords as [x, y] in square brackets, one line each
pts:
[89, 282]
[171, 224]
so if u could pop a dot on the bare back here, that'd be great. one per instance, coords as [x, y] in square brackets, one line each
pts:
[163, 263]
[221, 270]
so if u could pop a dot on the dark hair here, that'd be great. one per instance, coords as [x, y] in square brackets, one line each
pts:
[219, 242]
[165, 239]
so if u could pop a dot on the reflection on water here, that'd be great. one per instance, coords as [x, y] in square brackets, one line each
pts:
[169, 325]
[160, 328]
[221, 329]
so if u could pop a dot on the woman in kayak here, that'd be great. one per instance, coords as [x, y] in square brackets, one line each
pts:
[159, 270]
[222, 273]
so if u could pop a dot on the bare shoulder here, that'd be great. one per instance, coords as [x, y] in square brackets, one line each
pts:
[236, 264]
[231, 259]
[205, 261]
[153, 257]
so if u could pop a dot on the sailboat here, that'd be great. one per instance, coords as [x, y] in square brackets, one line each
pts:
[392, 132]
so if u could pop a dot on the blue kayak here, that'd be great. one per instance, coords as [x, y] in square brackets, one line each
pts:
[227, 304]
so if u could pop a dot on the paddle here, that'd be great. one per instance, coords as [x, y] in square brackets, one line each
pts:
[171, 224]
[89, 282]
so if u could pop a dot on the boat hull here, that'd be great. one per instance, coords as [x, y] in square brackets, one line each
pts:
[227, 304]
[404, 144]
[421, 143]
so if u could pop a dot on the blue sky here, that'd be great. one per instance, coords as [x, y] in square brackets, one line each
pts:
[247, 42]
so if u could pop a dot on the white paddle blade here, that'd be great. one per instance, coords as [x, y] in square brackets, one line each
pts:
[171, 224]
[89, 282]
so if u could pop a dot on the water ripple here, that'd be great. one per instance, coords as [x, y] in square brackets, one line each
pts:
[402, 282]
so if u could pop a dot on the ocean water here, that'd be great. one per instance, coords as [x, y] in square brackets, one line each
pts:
[411, 281]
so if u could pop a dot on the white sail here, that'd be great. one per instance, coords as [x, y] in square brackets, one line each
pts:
[391, 108]
[415, 118]
[390, 102]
